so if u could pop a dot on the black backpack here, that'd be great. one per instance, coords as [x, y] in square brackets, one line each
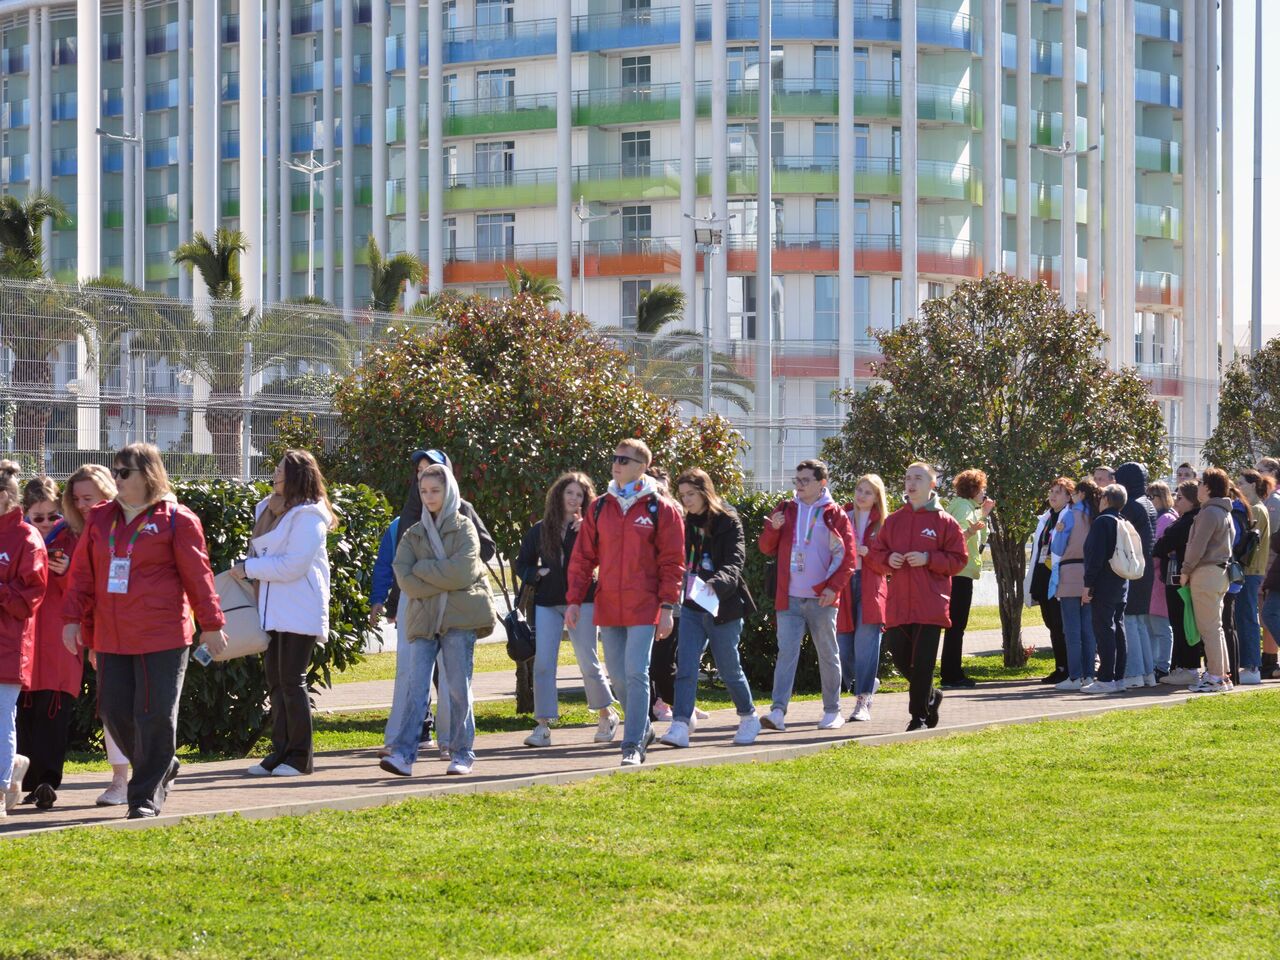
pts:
[1248, 540]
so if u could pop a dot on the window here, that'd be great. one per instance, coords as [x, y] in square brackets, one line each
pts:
[636, 11]
[450, 14]
[494, 18]
[742, 308]
[897, 302]
[637, 228]
[862, 321]
[897, 68]
[495, 236]
[861, 141]
[826, 67]
[897, 225]
[494, 291]
[632, 291]
[495, 163]
[744, 218]
[826, 218]
[636, 73]
[450, 160]
[743, 142]
[861, 217]
[495, 84]
[935, 290]
[826, 308]
[450, 238]
[825, 147]
[744, 67]
[861, 64]
[449, 86]
[635, 153]
[824, 405]
[896, 148]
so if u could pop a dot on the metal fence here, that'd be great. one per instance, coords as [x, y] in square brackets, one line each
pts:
[84, 371]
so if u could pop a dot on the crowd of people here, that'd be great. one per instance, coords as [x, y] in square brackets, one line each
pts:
[1138, 582]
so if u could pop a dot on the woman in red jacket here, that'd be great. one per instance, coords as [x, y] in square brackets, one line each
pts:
[45, 707]
[141, 568]
[22, 580]
[860, 620]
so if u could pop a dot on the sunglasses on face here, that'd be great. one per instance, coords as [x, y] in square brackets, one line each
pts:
[618, 458]
[44, 517]
[122, 473]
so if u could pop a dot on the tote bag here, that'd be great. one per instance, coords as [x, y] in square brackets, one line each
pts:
[239, 601]
[1189, 617]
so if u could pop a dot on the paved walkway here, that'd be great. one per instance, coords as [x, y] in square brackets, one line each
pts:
[350, 780]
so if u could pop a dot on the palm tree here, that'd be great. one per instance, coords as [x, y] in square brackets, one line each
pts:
[388, 276]
[213, 346]
[21, 245]
[670, 364]
[542, 289]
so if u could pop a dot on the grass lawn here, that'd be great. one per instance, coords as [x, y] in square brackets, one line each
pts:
[1133, 834]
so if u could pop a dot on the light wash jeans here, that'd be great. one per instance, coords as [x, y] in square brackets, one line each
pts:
[1161, 634]
[456, 650]
[1082, 649]
[626, 655]
[803, 614]
[400, 688]
[1248, 630]
[698, 629]
[548, 626]
[8, 730]
[1140, 657]
[860, 649]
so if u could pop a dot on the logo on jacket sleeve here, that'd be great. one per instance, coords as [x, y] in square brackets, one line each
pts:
[929, 532]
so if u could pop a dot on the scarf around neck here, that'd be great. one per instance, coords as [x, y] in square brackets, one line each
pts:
[432, 526]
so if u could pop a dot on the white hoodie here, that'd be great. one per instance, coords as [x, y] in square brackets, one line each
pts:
[291, 563]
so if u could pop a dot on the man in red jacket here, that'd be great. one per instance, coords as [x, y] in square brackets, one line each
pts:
[920, 548]
[813, 541]
[635, 539]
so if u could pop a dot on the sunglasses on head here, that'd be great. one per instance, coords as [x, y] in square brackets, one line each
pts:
[44, 517]
[122, 473]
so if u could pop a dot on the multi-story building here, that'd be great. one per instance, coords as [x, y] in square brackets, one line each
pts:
[910, 145]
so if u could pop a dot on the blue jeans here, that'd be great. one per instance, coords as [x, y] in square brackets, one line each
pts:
[626, 655]
[859, 650]
[1139, 653]
[548, 624]
[803, 614]
[8, 730]
[1271, 613]
[456, 649]
[698, 629]
[1248, 631]
[1082, 649]
[405, 677]
[1108, 630]
[1161, 633]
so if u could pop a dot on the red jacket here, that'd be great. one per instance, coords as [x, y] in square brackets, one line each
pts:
[23, 570]
[640, 568]
[55, 668]
[170, 564]
[836, 521]
[919, 594]
[875, 588]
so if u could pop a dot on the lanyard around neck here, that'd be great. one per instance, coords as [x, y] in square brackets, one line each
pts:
[111, 536]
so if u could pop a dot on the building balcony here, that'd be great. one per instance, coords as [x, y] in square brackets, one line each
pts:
[161, 153]
[162, 208]
[502, 41]
[229, 144]
[1160, 222]
[64, 106]
[1164, 156]
[162, 38]
[112, 157]
[162, 95]
[15, 59]
[64, 162]
[1152, 20]
[230, 28]
[1046, 199]
[396, 195]
[529, 111]
[160, 267]
[1157, 289]
[229, 202]
[15, 113]
[1046, 127]
[1046, 56]
[113, 214]
[633, 180]
[15, 169]
[231, 86]
[1152, 86]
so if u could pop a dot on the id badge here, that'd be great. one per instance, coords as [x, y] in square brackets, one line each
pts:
[118, 575]
[689, 580]
[797, 560]
[706, 563]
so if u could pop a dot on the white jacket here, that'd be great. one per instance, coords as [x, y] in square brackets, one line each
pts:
[291, 565]
[1035, 558]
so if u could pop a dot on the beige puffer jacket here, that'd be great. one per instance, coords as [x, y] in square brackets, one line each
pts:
[461, 577]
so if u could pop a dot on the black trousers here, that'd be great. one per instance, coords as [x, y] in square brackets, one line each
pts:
[953, 640]
[286, 661]
[1185, 656]
[138, 701]
[914, 648]
[662, 668]
[1051, 611]
[44, 720]
[1232, 638]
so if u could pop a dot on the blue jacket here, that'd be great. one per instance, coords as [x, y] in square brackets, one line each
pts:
[383, 575]
[1103, 583]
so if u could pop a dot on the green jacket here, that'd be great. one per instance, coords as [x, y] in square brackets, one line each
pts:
[1258, 566]
[461, 576]
[966, 513]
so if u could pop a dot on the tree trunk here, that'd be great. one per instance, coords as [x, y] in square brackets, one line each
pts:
[1010, 561]
[524, 687]
[224, 423]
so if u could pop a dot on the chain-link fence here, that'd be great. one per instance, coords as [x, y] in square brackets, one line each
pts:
[84, 371]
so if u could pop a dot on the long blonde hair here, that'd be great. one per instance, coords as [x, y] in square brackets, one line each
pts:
[100, 477]
[881, 508]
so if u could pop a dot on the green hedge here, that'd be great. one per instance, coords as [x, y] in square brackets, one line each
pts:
[225, 706]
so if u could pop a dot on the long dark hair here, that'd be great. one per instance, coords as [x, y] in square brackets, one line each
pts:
[701, 481]
[553, 517]
[303, 481]
[1092, 496]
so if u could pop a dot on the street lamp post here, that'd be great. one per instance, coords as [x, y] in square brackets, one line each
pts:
[708, 237]
[584, 215]
[311, 169]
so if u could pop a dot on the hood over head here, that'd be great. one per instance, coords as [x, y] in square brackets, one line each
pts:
[1133, 477]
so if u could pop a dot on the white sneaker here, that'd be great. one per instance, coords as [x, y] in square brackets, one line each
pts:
[699, 714]
[258, 770]
[607, 728]
[458, 768]
[116, 795]
[1069, 685]
[632, 758]
[1210, 684]
[445, 754]
[1180, 677]
[748, 730]
[393, 764]
[861, 708]
[831, 721]
[1102, 686]
[286, 770]
[677, 734]
[1131, 682]
[541, 736]
[1250, 678]
[1150, 680]
[661, 710]
[12, 793]
[774, 720]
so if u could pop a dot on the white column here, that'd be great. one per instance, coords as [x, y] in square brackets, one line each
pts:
[35, 95]
[330, 138]
[1228, 183]
[412, 136]
[204, 117]
[88, 145]
[349, 156]
[849, 332]
[688, 152]
[719, 165]
[251, 146]
[46, 126]
[992, 137]
[184, 140]
[271, 117]
[1192, 404]
[1093, 236]
[435, 156]
[1114, 220]
[1069, 91]
[1024, 139]
[128, 153]
[137, 190]
[286, 151]
[1128, 150]
[764, 208]
[378, 87]
[910, 166]
[564, 155]
[1208, 91]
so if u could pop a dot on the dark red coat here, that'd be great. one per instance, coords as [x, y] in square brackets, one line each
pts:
[23, 570]
[836, 521]
[919, 594]
[875, 587]
[640, 567]
[169, 575]
[55, 668]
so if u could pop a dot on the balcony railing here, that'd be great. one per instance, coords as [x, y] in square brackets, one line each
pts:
[64, 162]
[1152, 153]
[16, 113]
[1153, 288]
[162, 95]
[15, 169]
[1160, 222]
[162, 208]
[161, 152]
[1151, 20]
[64, 106]
[1152, 86]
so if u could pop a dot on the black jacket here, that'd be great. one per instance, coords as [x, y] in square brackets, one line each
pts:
[719, 543]
[1104, 584]
[1172, 544]
[554, 584]
[411, 513]
[1141, 512]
